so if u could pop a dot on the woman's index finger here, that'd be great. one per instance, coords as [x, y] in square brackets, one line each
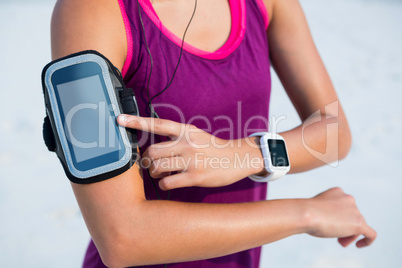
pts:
[153, 125]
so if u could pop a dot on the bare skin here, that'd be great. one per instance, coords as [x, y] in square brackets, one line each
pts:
[129, 230]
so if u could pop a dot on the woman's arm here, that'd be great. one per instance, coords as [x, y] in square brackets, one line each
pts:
[307, 83]
[130, 230]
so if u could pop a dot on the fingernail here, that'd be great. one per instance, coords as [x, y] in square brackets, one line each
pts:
[122, 118]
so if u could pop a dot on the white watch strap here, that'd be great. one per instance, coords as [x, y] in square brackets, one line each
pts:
[270, 134]
[271, 176]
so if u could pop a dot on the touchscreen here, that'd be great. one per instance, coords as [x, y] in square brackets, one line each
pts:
[278, 153]
[88, 122]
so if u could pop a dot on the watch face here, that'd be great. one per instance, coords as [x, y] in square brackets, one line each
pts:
[277, 150]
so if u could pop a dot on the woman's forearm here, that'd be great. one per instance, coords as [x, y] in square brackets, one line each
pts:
[129, 230]
[321, 139]
[318, 141]
[207, 161]
[151, 232]
[184, 231]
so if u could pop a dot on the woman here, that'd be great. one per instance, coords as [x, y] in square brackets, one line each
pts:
[218, 95]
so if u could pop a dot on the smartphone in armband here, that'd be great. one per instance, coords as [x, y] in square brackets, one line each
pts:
[84, 93]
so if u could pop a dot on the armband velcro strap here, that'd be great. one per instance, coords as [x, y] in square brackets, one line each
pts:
[128, 101]
[48, 135]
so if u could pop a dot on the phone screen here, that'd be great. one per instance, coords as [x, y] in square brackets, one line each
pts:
[89, 121]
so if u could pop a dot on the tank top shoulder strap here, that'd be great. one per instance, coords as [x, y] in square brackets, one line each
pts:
[129, 12]
[263, 9]
[132, 24]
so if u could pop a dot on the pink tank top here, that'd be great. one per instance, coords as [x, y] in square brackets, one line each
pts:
[226, 93]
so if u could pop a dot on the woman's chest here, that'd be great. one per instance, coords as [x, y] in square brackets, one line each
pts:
[210, 27]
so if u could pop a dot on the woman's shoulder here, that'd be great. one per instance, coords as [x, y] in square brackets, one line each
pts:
[276, 7]
[89, 24]
[269, 6]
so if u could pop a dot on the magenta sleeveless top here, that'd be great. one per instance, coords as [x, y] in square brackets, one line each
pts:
[225, 93]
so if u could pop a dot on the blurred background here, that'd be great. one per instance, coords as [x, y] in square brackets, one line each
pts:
[360, 42]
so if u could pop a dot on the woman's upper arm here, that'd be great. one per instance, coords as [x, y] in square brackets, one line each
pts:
[297, 61]
[89, 24]
[79, 25]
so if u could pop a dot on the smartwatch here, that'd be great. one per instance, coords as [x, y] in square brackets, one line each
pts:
[276, 160]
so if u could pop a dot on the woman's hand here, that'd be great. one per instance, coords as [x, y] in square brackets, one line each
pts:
[335, 214]
[200, 159]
